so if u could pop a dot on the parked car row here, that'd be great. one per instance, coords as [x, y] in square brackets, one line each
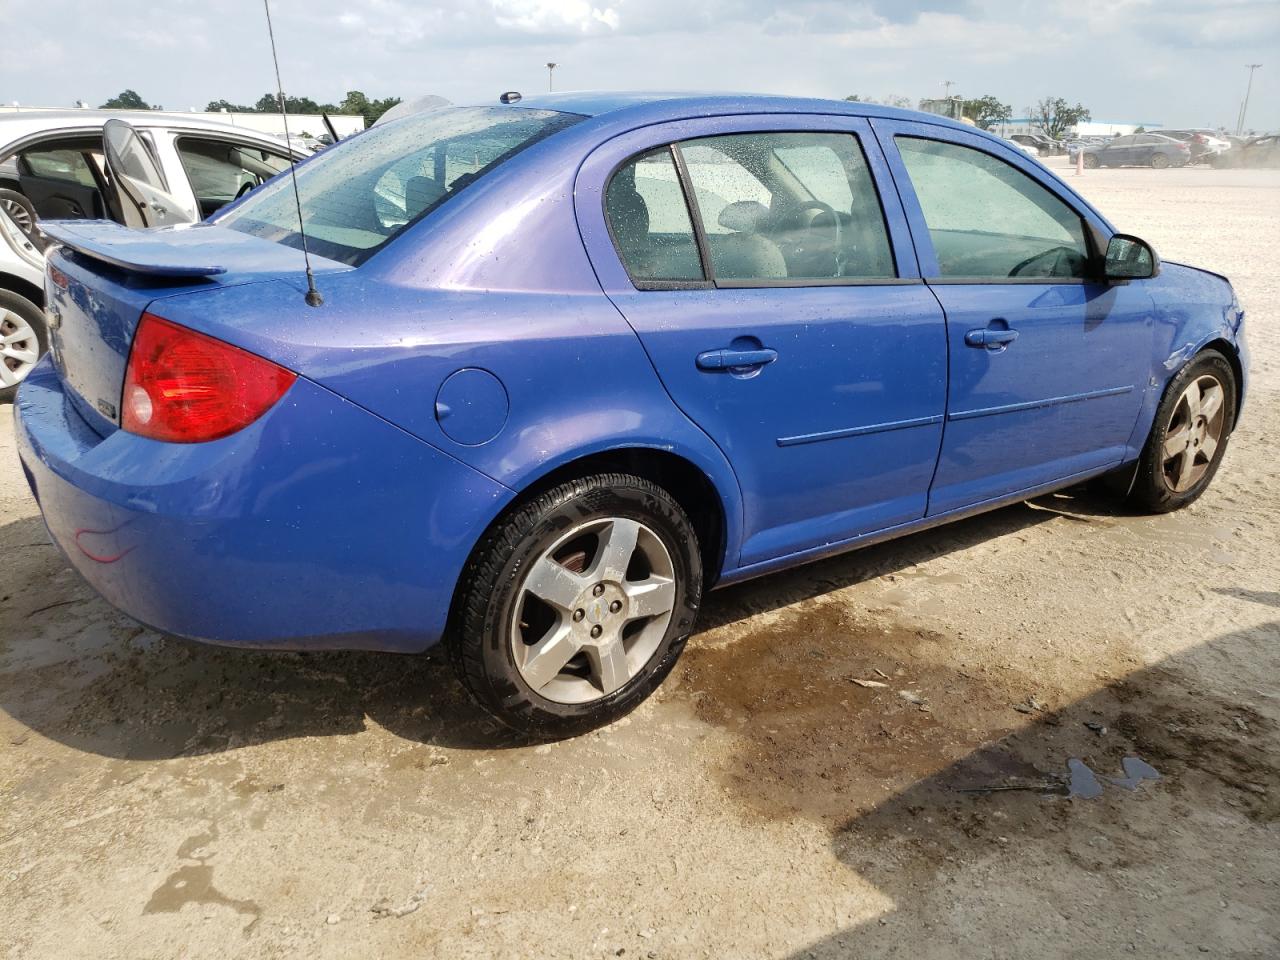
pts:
[93, 165]
[1161, 148]
[1040, 144]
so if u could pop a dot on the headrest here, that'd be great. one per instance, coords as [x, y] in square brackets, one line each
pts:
[420, 193]
[628, 213]
[744, 216]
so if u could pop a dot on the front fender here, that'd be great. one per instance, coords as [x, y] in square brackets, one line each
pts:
[1193, 308]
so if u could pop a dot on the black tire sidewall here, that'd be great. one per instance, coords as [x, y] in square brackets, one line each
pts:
[1150, 490]
[35, 317]
[519, 542]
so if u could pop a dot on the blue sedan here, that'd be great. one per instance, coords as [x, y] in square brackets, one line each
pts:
[571, 361]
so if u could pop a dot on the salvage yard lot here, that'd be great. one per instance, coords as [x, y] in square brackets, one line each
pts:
[160, 798]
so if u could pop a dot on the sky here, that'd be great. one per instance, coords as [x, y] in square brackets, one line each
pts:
[1175, 62]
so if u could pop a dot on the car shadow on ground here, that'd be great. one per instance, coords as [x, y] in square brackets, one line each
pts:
[75, 670]
[988, 855]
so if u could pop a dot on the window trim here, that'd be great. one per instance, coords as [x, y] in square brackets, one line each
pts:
[655, 284]
[709, 281]
[1091, 239]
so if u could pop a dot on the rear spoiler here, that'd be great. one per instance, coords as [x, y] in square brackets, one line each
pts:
[173, 253]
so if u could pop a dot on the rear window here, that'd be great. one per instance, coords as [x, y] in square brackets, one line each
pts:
[358, 195]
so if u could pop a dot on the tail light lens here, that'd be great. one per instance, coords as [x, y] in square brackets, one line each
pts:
[184, 387]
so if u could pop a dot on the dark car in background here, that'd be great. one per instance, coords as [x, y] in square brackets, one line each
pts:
[1139, 150]
[1257, 153]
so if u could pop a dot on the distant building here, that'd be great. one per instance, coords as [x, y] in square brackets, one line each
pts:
[299, 123]
[952, 107]
[1085, 128]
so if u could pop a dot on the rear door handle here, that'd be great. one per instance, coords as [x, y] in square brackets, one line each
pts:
[987, 337]
[725, 359]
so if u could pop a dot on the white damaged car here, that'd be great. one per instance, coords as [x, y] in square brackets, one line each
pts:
[138, 168]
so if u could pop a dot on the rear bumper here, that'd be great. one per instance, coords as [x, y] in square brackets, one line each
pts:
[318, 526]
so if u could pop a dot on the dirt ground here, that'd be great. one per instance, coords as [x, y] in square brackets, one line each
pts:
[163, 799]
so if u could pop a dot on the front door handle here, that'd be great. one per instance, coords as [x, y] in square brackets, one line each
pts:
[990, 338]
[726, 359]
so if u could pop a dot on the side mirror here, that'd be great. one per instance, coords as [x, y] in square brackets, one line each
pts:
[1129, 258]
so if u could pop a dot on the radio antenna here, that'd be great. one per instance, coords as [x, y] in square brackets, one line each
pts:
[313, 297]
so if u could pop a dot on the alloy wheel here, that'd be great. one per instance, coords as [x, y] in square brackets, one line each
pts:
[1194, 431]
[19, 348]
[19, 214]
[592, 609]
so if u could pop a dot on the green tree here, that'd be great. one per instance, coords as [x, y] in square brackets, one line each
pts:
[126, 100]
[356, 102]
[1054, 116]
[215, 106]
[987, 111]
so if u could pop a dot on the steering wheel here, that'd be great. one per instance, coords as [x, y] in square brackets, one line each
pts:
[792, 220]
[245, 188]
[1061, 258]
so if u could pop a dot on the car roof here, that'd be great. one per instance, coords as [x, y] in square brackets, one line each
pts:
[658, 106]
[21, 124]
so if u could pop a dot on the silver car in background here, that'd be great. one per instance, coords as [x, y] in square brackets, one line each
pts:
[138, 168]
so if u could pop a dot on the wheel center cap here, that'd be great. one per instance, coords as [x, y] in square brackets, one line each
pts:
[597, 611]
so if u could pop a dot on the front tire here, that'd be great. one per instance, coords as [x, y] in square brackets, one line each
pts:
[24, 339]
[1189, 437]
[1159, 161]
[1090, 162]
[575, 606]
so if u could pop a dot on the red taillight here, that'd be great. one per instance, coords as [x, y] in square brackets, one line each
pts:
[184, 387]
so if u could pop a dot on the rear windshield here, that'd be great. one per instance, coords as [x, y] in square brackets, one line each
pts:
[358, 195]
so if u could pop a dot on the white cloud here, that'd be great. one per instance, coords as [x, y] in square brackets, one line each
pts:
[1178, 61]
[553, 16]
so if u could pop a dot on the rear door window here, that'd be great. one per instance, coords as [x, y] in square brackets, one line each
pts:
[60, 164]
[221, 171]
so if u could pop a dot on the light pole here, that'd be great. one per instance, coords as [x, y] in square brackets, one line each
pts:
[946, 89]
[1244, 107]
[550, 76]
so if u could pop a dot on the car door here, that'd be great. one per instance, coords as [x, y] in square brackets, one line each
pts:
[1122, 150]
[1048, 361]
[136, 179]
[56, 176]
[775, 290]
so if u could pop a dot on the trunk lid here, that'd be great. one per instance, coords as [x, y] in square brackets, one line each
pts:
[102, 277]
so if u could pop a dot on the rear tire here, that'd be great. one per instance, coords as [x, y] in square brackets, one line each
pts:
[575, 606]
[23, 320]
[1090, 162]
[1189, 436]
[21, 211]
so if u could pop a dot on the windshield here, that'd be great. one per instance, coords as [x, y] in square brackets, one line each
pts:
[358, 195]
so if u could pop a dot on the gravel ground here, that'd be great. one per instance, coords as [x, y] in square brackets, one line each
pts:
[161, 799]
